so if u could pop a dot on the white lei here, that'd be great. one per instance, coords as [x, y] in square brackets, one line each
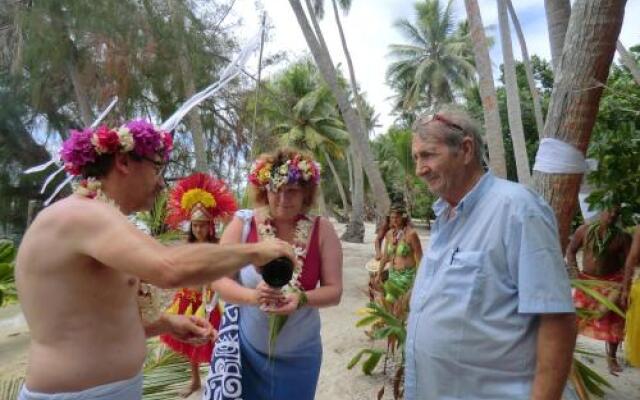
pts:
[266, 230]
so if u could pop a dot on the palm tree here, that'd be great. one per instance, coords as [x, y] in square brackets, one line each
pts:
[359, 138]
[513, 97]
[588, 52]
[436, 60]
[628, 61]
[301, 111]
[354, 231]
[537, 108]
[558, 13]
[492, 125]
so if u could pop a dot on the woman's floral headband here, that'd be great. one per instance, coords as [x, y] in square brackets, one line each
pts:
[294, 170]
[139, 136]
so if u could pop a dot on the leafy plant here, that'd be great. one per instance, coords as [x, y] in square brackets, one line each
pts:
[8, 293]
[165, 372]
[10, 387]
[616, 178]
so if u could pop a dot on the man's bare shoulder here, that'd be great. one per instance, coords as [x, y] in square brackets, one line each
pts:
[74, 214]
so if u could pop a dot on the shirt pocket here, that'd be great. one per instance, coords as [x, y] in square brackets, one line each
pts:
[462, 279]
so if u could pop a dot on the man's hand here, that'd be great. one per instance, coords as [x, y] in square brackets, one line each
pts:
[271, 249]
[191, 329]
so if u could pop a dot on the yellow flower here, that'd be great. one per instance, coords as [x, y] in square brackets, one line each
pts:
[195, 196]
[264, 174]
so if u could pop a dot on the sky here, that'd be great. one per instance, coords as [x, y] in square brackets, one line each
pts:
[369, 31]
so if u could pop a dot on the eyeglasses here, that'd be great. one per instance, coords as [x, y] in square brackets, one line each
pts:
[159, 166]
[440, 118]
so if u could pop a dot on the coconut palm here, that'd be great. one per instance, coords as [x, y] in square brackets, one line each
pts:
[487, 90]
[301, 111]
[359, 136]
[558, 13]
[436, 62]
[513, 99]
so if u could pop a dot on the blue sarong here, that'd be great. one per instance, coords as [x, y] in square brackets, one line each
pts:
[240, 371]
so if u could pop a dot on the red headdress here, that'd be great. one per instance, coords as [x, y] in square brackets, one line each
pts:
[199, 197]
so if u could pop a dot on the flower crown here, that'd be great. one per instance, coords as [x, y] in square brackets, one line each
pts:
[294, 170]
[143, 138]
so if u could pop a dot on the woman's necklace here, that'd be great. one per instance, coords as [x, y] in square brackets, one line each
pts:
[267, 230]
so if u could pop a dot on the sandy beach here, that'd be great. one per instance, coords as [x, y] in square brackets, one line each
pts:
[341, 339]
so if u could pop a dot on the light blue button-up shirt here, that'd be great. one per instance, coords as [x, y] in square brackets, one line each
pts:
[488, 271]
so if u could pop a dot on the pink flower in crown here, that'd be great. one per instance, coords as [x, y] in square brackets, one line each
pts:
[167, 145]
[78, 151]
[147, 138]
[105, 140]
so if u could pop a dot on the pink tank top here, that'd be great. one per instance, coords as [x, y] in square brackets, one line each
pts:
[311, 268]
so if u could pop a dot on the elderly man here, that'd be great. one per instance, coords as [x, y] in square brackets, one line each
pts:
[81, 260]
[491, 315]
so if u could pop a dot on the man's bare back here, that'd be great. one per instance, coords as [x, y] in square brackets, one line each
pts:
[80, 312]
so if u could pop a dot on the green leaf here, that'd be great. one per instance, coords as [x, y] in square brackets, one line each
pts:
[369, 365]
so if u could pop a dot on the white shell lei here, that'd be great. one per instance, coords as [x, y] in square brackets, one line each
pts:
[266, 230]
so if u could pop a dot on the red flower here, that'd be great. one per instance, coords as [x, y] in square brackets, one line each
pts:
[106, 140]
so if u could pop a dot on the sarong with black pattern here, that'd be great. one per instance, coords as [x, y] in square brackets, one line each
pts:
[224, 381]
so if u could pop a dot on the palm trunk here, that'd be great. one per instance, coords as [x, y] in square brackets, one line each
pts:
[336, 177]
[80, 92]
[322, 204]
[558, 13]
[493, 128]
[354, 232]
[628, 61]
[358, 133]
[586, 58]
[347, 55]
[186, 70]
[537, 108]
[350, 169]
[513, 97]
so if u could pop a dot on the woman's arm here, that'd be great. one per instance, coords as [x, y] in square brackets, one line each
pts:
[414, 241]
[329, 292]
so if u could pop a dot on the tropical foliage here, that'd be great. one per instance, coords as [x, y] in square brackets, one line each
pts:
[8, 292]
[436, 64]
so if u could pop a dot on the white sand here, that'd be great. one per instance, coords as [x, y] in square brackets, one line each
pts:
[341, 339]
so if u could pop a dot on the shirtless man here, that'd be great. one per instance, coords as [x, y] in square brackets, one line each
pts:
[605, 249]
[80, 262]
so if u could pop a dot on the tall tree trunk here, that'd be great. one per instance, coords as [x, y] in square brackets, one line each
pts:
[350, 169]
[513, 97]
[359, 137]
[80, 91]
[558, 13]
[339, 185]
[628, 61]
[493, 128]
[322, 204]
[352, 74]
[590, 43]
[186, 70]
[537, 109]
[354, 232]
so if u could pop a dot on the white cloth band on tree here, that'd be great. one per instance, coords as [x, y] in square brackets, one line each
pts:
[557, 157]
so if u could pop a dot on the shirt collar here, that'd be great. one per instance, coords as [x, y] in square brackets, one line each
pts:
[470, 199]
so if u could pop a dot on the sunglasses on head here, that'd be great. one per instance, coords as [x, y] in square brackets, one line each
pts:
[442, 119]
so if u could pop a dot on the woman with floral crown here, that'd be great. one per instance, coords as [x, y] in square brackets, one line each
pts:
[280, 350]
[203, 201]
